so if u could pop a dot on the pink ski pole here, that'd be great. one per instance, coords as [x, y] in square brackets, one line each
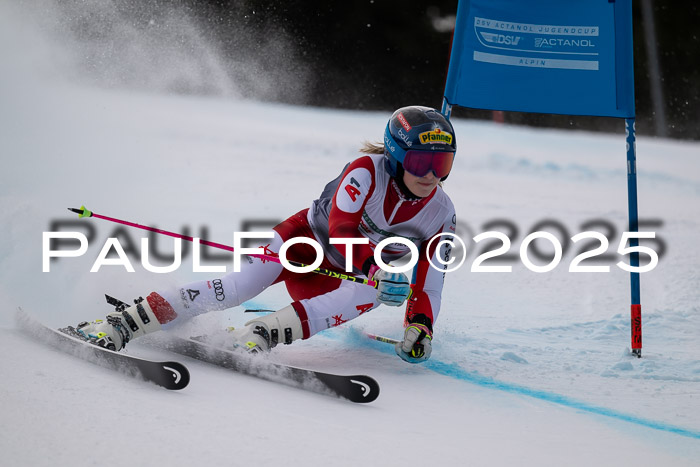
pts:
[84, 212]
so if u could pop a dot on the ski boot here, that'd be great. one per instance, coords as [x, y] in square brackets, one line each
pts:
[119, 327]
[264, 333]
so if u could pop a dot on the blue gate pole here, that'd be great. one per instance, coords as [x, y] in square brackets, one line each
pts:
[636, 307]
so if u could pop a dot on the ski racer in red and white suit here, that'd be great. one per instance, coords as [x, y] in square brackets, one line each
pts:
[369, 203]
[365, 201]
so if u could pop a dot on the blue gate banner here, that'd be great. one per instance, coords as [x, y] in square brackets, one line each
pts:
[570, 57]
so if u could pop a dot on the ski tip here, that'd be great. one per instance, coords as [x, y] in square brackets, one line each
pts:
[176, 376]
[356, 388]
[365, 389]
[82, 212]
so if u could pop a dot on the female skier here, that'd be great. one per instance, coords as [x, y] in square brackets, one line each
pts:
[393, 190]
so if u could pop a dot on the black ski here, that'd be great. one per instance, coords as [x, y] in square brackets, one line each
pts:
[356, 388]
[170, 375]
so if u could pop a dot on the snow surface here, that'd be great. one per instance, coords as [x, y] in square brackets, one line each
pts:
[527, 368]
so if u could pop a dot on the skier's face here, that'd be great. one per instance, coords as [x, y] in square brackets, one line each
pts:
[420, 186]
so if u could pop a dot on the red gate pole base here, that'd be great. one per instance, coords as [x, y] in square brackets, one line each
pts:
[636, 314]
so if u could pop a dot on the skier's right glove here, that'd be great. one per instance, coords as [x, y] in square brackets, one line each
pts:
[416, 345]
[393, 288]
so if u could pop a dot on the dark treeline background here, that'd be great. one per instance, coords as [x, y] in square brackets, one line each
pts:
[380, 55]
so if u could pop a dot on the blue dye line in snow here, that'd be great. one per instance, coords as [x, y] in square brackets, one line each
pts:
[453, 370]
[253, 305]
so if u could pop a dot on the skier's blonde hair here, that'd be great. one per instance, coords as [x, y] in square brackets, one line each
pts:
[372, 148]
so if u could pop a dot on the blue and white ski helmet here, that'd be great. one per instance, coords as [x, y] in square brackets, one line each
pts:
[416, 128]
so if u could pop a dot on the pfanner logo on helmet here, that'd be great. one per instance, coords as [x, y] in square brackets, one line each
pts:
[435, 136]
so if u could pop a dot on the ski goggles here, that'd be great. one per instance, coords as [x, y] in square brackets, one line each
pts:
[421, 163]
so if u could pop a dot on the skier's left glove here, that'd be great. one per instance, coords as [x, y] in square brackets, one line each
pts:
[416, 345]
